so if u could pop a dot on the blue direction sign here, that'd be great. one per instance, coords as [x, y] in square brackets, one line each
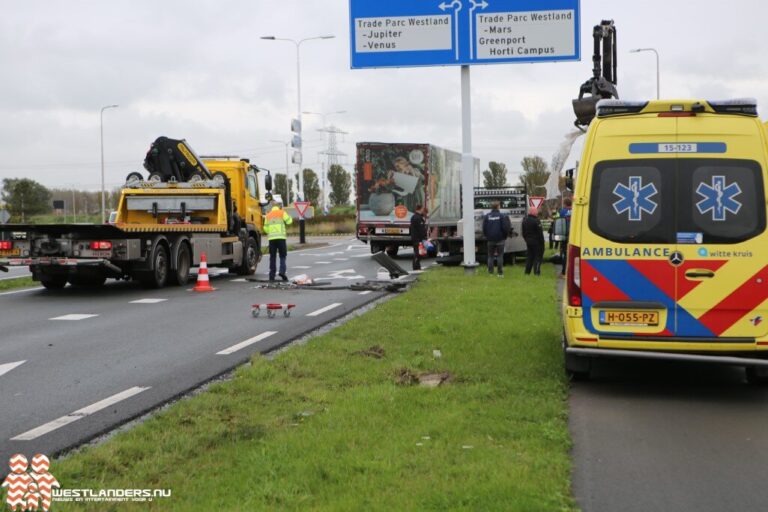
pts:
[404, 33]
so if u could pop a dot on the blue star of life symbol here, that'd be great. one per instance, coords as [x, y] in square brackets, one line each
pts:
[718, 198]
[635, 198]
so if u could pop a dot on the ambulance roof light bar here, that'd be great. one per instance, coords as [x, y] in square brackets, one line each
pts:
[609, 107]
[745, 106]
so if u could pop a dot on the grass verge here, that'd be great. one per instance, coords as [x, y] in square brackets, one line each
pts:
[20, 282]
[339, 424]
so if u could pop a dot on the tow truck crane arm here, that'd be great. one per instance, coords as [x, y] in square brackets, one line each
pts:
[602, 84]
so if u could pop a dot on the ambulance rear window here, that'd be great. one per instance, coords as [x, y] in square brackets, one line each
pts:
[632, 201]
[722, 199]
[677, 200]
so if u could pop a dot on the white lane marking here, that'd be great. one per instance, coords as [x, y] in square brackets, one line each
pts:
[73, 316]
[147, 301]
[23, 291]
[366, 292]
[354, 247]
[361, 256]
[243, 344]
[79, 414]
[323, 310]
[5, 368]
[240, 280]
[323, 262]
[303, 267]
[340, 259]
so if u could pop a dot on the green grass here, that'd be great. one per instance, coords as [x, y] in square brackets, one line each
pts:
[324, 427]
[21, 282]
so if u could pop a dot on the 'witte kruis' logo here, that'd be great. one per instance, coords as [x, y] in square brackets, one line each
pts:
[29, 490]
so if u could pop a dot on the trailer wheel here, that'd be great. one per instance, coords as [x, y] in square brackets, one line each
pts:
[392, 250]
[375, 248]
[250, 258]
[180, 275]
[87, 281]
[54, 282]
[156, 277]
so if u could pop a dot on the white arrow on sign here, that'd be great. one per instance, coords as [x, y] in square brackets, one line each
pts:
[457, 4]
[5, 368]
[475, 5]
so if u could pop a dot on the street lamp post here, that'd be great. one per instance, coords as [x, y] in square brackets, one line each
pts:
[287, 175]
[299, 180]
[326, 168]
[101, 125]
[636, 50]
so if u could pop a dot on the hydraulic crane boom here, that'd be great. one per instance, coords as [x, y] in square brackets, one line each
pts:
[602, 84]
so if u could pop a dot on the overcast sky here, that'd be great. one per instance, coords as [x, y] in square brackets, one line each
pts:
[197, 70]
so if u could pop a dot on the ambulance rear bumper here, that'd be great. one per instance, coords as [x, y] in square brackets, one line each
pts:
[668, 356]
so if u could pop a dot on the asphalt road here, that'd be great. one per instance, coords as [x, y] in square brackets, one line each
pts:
[662, 436]
[75, 363]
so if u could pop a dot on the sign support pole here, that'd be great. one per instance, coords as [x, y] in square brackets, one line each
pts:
[467, 172]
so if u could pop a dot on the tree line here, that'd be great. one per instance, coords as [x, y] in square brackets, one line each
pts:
[25, 198]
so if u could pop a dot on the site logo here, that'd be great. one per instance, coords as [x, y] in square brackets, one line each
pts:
[29, 490]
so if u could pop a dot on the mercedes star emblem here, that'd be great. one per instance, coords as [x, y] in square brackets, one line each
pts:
[676, 258]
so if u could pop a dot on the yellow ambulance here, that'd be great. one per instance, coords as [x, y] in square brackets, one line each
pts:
[668, 250]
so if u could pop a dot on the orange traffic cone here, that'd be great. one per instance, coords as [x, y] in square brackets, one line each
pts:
[203, 284]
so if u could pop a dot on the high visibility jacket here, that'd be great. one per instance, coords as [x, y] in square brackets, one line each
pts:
[274, 225]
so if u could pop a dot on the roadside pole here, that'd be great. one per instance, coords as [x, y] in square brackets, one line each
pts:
[467, 169]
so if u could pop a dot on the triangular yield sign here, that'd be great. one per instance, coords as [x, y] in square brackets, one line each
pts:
[301, 207]
[535, 201]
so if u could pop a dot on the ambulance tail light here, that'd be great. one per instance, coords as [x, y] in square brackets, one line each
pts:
[573, 275]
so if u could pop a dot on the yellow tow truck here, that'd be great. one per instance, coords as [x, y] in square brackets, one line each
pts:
[162, 226]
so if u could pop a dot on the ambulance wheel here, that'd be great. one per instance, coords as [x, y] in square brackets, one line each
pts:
[576, 367]
[757, 375]
[54, 282]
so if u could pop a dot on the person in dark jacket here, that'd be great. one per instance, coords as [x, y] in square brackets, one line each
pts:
[496, 228]
[534, 241]
[418, 234]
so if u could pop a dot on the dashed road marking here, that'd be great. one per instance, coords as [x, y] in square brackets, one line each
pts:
[366, 292]
[303, 267]
[323, 310]
[147, 301]
[240, 280]
[78, 414]
[323, 262]
[340, 259]
[73, 316]
[5, 368]
[243, 344]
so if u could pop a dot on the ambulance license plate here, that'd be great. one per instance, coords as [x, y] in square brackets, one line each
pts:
[628, 317]
[11, 252]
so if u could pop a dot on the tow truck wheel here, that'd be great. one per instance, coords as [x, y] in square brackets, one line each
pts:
[156, 277]
[180, 275]
[250, 258]
[54, 282]
[757, 375]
